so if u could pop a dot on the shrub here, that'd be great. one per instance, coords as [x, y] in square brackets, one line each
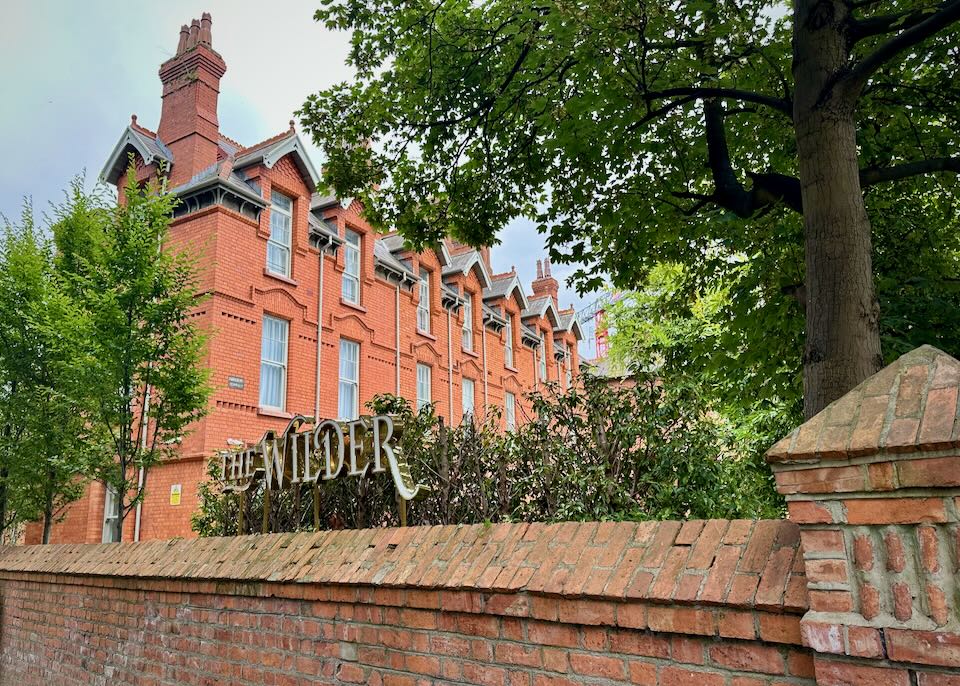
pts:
[599, 451]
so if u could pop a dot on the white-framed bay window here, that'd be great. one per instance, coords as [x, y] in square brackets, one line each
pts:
[510, 410]
[348, 403]
[350, 287]
[508, 343]
[469, 393]
[424, 383]
[273, 363]
[281, 234]
[423, 306]
[467, 333]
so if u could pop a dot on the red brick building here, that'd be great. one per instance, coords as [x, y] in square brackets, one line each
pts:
[310, 311]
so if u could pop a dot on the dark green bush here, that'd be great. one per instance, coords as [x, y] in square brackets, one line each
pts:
[600, 451]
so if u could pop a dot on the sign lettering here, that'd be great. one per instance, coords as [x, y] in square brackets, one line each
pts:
[365, 446]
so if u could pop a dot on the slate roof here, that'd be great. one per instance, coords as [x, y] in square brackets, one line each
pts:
[502, 286]
[220, 173]
[568, 322]
[541, 307]
[150, 149]
[270, 151]
[383, 255]
[461, 263]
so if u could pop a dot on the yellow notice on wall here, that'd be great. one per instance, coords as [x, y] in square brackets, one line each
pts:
[175, 494]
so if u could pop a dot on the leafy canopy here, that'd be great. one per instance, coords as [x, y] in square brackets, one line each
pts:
[633, 132]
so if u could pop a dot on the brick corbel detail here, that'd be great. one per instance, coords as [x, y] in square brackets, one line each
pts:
[874, 483]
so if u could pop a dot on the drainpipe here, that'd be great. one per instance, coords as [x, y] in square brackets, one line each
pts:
[316, 398]
[398, 340]
[144, 422]
[483, 343]
[536, 371]
[449, 369]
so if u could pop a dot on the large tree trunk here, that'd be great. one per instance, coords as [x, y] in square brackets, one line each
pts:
[842, 333]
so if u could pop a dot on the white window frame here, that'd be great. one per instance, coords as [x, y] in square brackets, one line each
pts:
[280, 364]
[349, 378]
[352, 252]
[542, 361]
[510, 410]
[466, 339]
[468, 397]
[274, 243]
[508, 343]
[567, 361]
[111, 513]
[424, 385]
[423, 304]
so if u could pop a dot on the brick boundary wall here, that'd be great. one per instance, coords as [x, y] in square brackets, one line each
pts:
[712, 603]
[859, 588]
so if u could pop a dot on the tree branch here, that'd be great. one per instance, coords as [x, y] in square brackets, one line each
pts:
[904, 40]
[701, 93]
[875, 175]
[886, 23]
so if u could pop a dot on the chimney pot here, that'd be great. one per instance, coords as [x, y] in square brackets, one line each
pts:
[206, 36]
[546, 267]
[184, 36]
[539, 269]
[194, 34]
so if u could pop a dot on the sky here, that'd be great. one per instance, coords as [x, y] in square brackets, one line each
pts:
[75, 71]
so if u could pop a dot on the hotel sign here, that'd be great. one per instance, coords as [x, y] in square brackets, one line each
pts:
[364, 446]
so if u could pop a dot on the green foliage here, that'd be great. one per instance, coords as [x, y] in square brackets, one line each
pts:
[598, 452]
[590, 118]
[47, 452]
[143, 374]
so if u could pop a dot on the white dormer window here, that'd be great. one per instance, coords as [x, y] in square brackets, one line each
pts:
[467, 338]
[351, 267]
[423, 307]
[508, 344]
[281, 234]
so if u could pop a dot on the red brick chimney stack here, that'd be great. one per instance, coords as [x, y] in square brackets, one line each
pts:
[545, 284]
[191, 88]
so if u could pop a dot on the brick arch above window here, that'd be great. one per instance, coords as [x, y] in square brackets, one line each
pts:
[352, 326]
[471, 368]
[425, 351]
[280, 301]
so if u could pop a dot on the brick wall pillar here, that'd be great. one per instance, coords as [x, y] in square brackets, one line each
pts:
[874, 483]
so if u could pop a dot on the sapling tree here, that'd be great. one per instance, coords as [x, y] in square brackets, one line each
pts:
[146, 380]
[47, 451]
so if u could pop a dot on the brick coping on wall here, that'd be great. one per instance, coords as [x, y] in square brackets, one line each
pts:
[739, 579]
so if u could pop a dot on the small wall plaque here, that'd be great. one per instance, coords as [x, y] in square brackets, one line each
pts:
[175, 490]
[235, 382]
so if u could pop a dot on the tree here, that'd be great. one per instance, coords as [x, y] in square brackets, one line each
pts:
[640, 132]
[145, 380]
[47, 452]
